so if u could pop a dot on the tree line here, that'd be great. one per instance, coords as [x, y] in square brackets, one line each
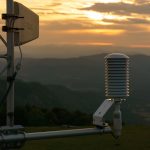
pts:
[36, 116]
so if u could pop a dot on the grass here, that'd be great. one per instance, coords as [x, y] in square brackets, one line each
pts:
[133, 138]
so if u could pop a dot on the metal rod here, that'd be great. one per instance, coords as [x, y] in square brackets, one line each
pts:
[66, 133]
[10, 69]
[117, 119]
[53, 134]
[5, 43]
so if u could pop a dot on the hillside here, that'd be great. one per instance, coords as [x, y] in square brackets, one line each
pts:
[78, 73]
[36, 94]
[52, 96]
[81, 72]
[87, 73]
[78, 84]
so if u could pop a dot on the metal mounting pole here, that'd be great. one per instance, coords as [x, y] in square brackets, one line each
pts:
[10, 70]
[22, 136]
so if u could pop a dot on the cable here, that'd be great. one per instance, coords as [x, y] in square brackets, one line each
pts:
[3, 56]
[18, 67]
[12, 22]
[3, 70]
[8, 89]
[12, 79]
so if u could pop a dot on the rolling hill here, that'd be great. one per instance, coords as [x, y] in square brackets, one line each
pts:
[78, 84]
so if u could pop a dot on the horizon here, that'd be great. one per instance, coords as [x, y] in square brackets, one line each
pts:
[71, 51]
[77, 56]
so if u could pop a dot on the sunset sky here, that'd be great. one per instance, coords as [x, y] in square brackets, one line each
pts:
[88, 24]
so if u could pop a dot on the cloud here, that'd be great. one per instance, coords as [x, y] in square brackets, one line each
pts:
[130, 24]
[83, 32]
[68, 25]
[121, 8]
[54, 4]
[131, 35]
[142, 1]
[138, 21]
[128, 21]
[46, 7]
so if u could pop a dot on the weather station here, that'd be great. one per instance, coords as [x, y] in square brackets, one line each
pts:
[20, 30]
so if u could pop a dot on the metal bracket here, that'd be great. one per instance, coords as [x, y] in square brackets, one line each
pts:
[3, 56]
[11, 131]
[100, 112]
[8, 16]
[6, 29]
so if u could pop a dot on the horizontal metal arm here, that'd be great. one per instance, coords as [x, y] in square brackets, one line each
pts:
[52, 134]
[66, 133]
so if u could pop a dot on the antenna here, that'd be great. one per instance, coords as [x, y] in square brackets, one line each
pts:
[19, 30]
[28, 24]
[116, 90]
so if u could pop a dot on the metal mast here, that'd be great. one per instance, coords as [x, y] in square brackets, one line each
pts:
[10, 69]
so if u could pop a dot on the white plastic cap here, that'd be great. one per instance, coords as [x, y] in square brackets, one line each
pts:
[117, 55]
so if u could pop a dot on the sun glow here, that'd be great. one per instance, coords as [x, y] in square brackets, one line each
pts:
[95, 31]
[94, 15]
[111, 1]
[81, 22]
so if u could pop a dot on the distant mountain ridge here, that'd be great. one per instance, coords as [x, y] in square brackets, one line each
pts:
[79, 73]
[78, 83]
[72, 72]
[55, 96]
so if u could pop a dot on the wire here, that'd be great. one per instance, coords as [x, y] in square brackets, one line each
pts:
[11, 23]
[3, 56]
[5, 43]
[3, 70]
[8, 89]
[21, 56]
[18, 67]
[11, 80]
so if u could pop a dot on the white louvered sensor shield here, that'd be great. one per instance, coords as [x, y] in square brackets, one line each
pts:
[116, 75]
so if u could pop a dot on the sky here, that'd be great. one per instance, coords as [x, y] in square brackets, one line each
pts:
[81, 27]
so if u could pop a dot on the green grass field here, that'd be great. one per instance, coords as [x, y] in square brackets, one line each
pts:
[133, 138]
